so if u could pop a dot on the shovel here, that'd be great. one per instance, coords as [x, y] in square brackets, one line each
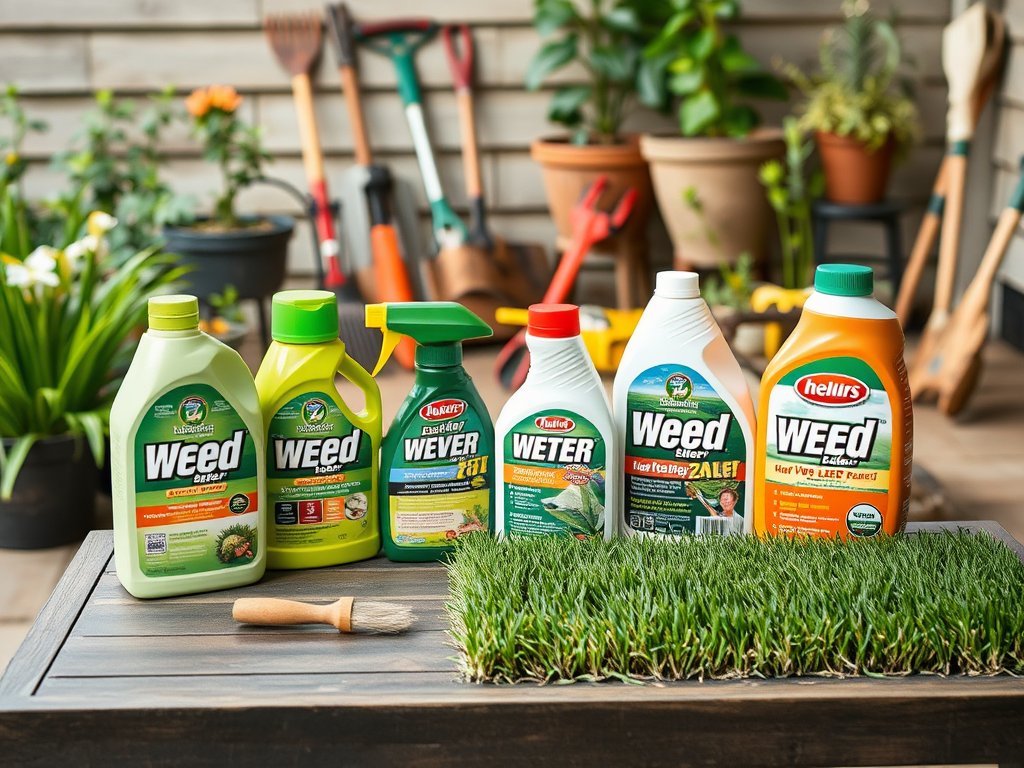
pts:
[399, 41]
[963, 52]
[368, 189]
[589, 226]
[952, 370]
[959, 31]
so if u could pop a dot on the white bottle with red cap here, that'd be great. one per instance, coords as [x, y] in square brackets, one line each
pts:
[684, 421]
[555, 438]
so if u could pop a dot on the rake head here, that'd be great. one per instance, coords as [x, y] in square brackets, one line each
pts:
[295, 39]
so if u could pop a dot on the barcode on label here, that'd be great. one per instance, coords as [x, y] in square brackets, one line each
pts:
[717, 526]
[156, 543]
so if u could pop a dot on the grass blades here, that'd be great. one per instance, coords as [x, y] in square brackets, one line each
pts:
[559, 609]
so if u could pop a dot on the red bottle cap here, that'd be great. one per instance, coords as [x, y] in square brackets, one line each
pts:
[554, 321]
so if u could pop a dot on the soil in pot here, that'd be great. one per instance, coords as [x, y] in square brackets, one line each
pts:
[853, 174]
[252, 258]
[54, 499]
[569, 168]
[724, 174]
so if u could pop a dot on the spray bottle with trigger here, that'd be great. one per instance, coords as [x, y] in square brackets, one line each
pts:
[437, 459]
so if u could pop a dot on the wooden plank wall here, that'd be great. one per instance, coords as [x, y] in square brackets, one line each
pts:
[60, 51]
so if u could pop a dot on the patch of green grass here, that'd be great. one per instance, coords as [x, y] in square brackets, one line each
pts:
[559, 609]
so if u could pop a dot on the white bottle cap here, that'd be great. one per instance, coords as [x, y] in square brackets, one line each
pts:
[678, 285]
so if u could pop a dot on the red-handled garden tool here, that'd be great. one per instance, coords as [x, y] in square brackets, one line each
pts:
[295, 40]
[589, 226]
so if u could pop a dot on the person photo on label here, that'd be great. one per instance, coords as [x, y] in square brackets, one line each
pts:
[727, 498]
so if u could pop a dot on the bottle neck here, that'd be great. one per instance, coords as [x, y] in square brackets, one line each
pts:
[188, 333]
[564, 363]
[438, 356]
[682, 320]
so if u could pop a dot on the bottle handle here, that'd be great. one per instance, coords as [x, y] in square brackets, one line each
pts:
[355, 373]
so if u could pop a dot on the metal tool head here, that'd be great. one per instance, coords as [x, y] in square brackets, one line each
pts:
[295, 40]
[339, 32]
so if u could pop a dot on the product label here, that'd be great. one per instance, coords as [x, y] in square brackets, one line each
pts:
[686, 457]
[554, 476]
[828, 450]
[319, 475]
[441, 479]
[196, 485]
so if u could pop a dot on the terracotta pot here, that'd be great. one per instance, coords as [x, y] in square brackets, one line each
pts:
[568, 169]
[853, 175]
[724, 173]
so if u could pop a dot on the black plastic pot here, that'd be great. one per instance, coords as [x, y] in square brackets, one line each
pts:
[54, 499]
[251, 260]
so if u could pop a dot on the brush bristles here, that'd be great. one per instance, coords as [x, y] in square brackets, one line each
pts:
[387, 618]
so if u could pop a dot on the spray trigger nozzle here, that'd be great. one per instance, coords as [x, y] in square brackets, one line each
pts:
[377, 317]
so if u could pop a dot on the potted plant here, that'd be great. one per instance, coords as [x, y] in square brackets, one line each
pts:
[248, 252]
[66, 315]
[604, 39]
[721, 146]
[859, 109]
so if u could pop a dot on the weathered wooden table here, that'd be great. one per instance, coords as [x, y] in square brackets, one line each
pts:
[104, 679]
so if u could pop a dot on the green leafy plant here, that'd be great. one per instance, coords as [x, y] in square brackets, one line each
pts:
[229, 142]
[733, 286]
[557, 609]
[236, 543]
[66, 317]
[605, 38]
[859, 91]
[12, 163]
[790, 193]
[697, 61]
[225, 304]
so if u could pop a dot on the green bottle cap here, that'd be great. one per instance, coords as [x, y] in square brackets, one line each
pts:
[844, 280]
[439, 356]
[178, 312]
[304, 317]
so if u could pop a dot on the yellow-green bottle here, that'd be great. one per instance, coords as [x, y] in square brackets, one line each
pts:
[186, 461]
[321, 456]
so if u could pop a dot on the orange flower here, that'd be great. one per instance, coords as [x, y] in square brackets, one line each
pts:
[222, 97]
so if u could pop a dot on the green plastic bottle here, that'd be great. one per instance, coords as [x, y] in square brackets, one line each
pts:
[437, 459]
[321, 455]
[186, 437]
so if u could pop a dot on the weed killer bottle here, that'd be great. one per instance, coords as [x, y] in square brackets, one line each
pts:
[437, 458]
[835, 443]
[685, 420]
[186, 438]
[321, 455]
[556, 438]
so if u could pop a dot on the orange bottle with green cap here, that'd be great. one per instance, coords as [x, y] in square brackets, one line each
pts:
[835, 423]
[321, 459]
[186, 437]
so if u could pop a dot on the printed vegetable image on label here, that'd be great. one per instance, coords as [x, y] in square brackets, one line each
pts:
[196, 485]
[554, 476]
[686, 456]
[440, 482]
[319, 475]
[828, 450]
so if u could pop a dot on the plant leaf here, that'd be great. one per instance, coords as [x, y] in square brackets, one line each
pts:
[615, 62]
[698, 112]
[550, 57]
[565, 106]
[552, 15]
[650, 82]
[702, 44]
[761, 86]
[12, 462]
[734, 59]
[622, 18]
[685, 83]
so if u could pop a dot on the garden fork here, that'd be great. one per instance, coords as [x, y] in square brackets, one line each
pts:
[295, 39]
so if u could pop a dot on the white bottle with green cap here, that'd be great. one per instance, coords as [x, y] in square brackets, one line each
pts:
[186, 438]
[321, 454]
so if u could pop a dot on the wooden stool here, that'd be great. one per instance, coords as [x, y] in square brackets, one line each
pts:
[887, 213]
[632, 271]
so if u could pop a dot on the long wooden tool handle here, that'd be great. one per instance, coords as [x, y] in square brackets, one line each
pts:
[350, 89]
[470, 151]
[949, 240]
[926, 237]
[273, 611]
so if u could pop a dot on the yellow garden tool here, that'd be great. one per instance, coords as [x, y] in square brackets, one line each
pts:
[784, 300]
[604, 331]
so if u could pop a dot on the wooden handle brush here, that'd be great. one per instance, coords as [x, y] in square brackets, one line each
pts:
[347, 614]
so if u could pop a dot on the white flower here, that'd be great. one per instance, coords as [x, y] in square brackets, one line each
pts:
[88, 244]
[38, 269]
[100, 222]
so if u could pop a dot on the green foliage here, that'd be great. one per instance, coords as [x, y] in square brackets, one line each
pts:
[733, 286]
[606, 39]
[707, 70]
[790, 194]
[12, 164]
[559, 609]
[859, 92]
[226, 305]
[66, 315]
[236, 543]
[115, 167]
